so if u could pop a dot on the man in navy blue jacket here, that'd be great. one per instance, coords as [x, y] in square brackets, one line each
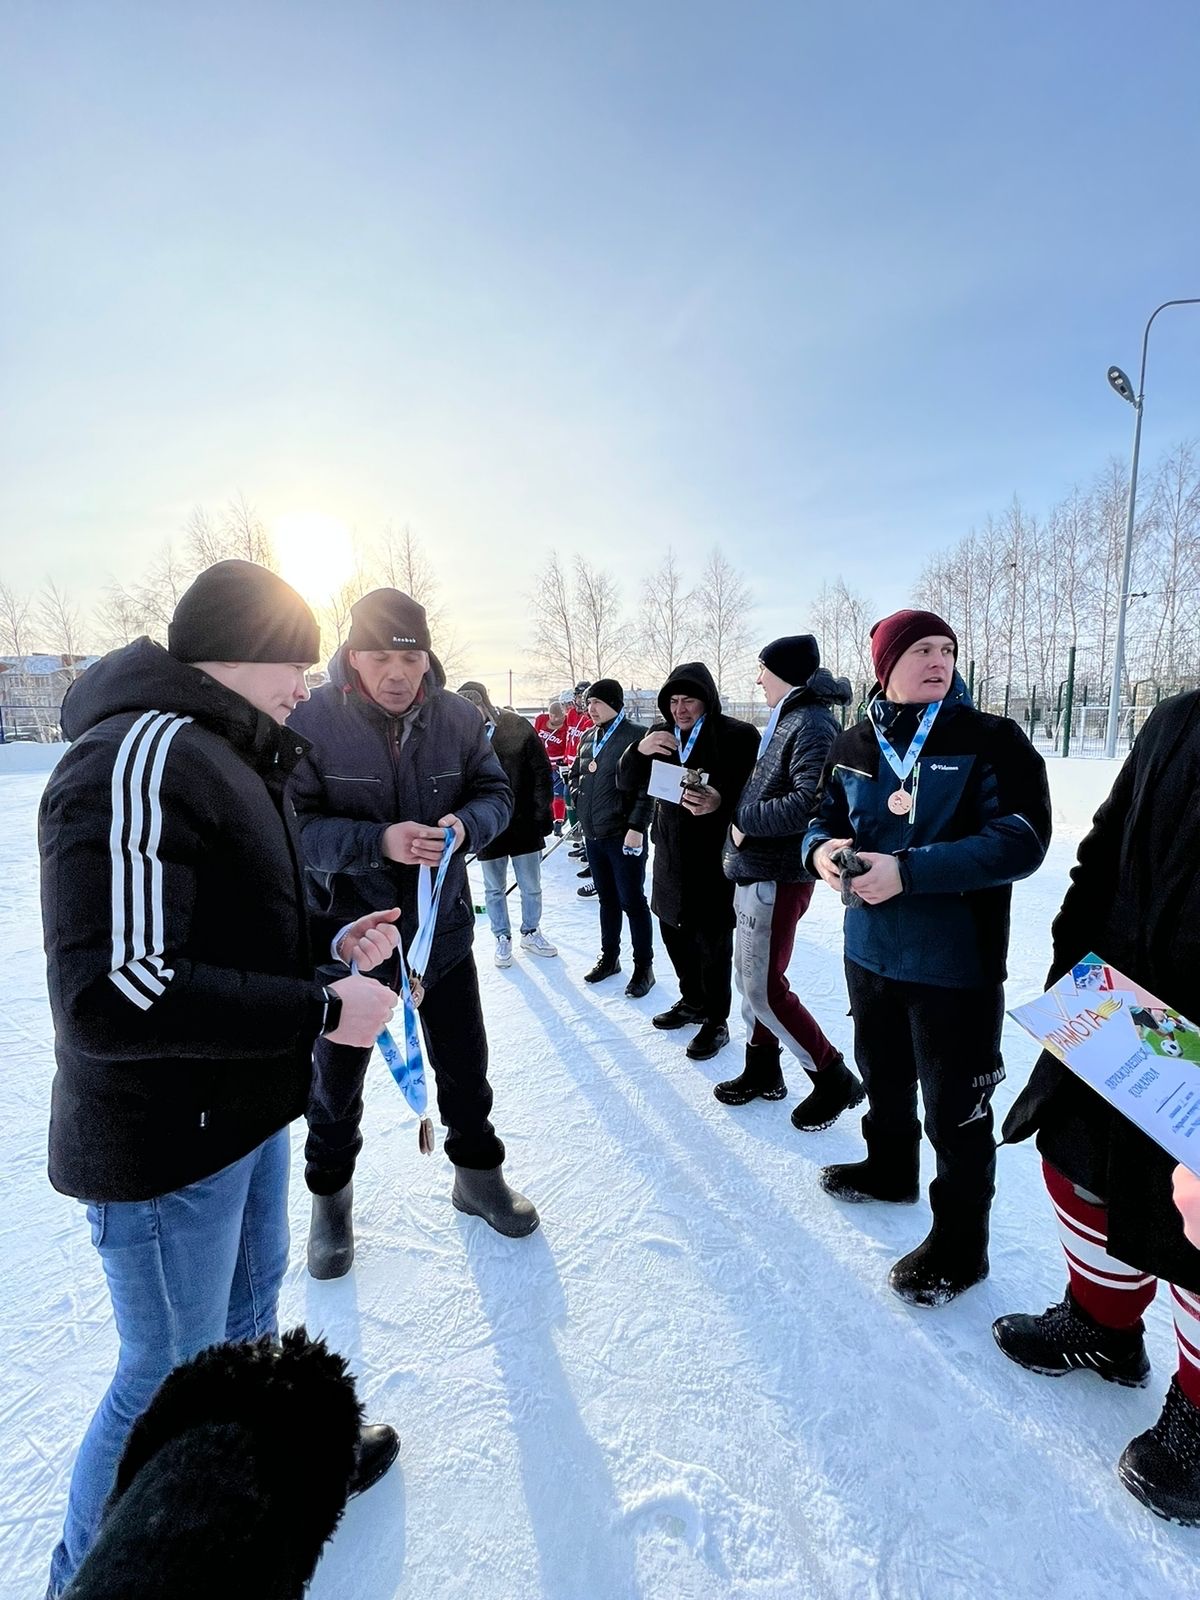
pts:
[946, 807]
[395, 761]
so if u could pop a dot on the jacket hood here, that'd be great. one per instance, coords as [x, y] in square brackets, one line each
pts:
[692, 678]
[142, 676]
[824, 688]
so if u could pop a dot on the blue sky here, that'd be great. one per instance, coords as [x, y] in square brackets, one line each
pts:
[826, 284]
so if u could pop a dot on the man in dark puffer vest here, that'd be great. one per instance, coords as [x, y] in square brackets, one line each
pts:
[691, 896]
[182, 989]
[764, 859]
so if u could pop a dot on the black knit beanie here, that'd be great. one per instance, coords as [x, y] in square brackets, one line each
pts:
[608, 690]
[387, 619]
[794, 658]
[237, 611]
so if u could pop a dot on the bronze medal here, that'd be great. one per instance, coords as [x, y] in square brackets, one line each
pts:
[416, 988]
[591, 766]
[900, 803]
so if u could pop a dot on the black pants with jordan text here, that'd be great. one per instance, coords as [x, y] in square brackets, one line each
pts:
[456, 1053]
[948, 1041]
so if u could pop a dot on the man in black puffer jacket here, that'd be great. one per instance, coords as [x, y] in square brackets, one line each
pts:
[182, 989]
[614, 830]
[764, 859]
[395, 761]
[691, 896]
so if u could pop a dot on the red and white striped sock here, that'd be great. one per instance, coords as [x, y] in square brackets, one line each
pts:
[1111, 1292]
[1186, 1307]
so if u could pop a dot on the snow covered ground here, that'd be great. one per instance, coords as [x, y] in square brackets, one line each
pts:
[691, 1383]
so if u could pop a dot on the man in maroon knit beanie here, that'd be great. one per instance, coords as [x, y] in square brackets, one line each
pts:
[944, 807]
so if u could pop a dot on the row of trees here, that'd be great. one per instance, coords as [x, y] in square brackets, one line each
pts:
[52, 622]
[582, 628]
[1021, 589]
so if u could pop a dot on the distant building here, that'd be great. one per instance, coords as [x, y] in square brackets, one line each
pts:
[31, 694]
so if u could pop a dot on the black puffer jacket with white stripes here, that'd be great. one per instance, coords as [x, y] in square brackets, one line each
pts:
[180, 973]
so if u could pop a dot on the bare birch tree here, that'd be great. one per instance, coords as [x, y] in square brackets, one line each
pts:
[667, 623]
[556, 647]
[723, 608]
[600, 627]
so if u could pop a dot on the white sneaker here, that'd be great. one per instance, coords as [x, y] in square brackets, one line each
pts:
[503, 950]
[537, 944]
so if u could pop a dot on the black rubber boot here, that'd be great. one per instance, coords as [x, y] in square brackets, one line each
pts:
[945, 1263]
[378, 1447]
[642, 981]
[760, 1079]
[835, 1089]
[678, 1016]
[484, 1193]
[1064, 1338]
[606, 967]
[331, 1234]
[713, 1036]
[1161, 1467]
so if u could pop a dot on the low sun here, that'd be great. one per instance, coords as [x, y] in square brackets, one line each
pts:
[315, 553]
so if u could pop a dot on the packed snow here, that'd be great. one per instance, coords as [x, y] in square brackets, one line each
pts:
[691, 1383]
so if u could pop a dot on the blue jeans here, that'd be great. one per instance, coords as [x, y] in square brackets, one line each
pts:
[190, 1269]
[528, 872]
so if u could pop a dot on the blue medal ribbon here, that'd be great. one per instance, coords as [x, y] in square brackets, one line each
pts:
[598, 743]
[685, 750]
[407, 1066]
[902, 769]
[768, 732]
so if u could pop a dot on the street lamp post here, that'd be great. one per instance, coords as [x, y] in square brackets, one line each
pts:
[1122, 386]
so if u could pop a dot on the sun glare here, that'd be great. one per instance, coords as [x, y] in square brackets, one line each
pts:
[315, 553]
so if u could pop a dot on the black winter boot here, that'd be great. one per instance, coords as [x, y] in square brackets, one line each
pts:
[678, 1016]
[945, 1263]
[713, 1036]
[378, 1447]
[760, 1079]
[331, 1234]
[835, 1089]
[892, 1170]
[642, 981]
[1161, 1467]
[1064, 1338]
[606, 967]
[484, 1193]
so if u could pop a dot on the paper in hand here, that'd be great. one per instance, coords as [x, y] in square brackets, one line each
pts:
[666, 781]
[1142, 1055]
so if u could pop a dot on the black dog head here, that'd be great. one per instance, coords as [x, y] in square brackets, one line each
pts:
[232, 1479]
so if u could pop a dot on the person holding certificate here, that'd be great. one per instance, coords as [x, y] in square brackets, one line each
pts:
[696, 761]
[944, 807]
[1128, 1216]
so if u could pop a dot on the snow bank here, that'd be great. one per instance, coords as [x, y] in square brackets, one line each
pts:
[20, 756]
[1077, 788]
[692, 1383]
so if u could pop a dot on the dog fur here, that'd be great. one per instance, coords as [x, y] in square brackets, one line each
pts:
[232, 1479]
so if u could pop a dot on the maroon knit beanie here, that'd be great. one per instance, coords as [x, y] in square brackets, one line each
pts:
[891, 637]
